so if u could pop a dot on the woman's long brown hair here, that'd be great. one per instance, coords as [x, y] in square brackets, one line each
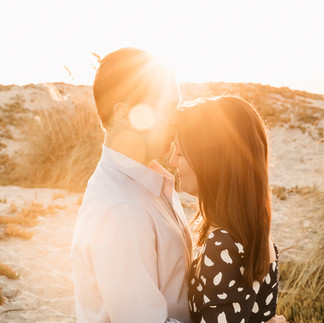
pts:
[225, 142]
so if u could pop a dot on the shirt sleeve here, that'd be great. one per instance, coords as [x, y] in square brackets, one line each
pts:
[124, 260]
[225, 299]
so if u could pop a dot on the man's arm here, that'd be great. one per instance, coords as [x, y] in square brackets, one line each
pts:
[125, 265]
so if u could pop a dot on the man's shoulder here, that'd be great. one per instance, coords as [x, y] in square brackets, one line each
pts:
[109, 187]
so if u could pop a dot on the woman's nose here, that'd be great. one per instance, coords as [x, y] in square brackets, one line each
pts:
[172, 161]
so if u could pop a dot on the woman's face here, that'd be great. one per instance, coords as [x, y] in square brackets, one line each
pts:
[187, 178]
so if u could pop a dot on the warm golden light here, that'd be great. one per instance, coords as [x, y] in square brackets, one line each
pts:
[141, 117]
[134, 145]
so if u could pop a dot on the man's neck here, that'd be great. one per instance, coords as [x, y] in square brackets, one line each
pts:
[128, 143]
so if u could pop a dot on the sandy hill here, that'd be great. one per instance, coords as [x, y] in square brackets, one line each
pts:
[296, 131]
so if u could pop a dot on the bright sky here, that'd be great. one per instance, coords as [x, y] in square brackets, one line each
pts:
[276, 42]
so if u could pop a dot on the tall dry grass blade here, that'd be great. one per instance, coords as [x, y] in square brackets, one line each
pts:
[302, 296]
[8, 272]
[65, 146]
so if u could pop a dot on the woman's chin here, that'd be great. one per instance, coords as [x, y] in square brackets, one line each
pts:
[182, 187]
[185, 189]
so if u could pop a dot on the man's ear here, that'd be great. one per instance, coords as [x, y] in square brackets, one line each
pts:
[121, 111]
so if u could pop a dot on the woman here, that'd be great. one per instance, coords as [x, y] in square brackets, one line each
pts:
[222, 158]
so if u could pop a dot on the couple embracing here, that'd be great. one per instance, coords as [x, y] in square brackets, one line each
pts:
[132, 246]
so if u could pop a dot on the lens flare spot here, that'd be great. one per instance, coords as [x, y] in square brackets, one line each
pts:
[141, 117]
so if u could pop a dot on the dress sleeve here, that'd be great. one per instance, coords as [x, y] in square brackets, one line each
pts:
[124, 260]
[225, 298]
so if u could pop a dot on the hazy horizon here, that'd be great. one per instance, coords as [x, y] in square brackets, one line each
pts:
[276, 44]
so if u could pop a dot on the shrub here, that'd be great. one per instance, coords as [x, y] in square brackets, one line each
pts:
[2, 299]
[65, 145]
[14, 230]
[280, 192]
[7, 271]
[28, 215]
[19, 219]
[302, 297]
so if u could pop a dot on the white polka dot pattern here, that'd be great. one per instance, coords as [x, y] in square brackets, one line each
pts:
[269, 299]
[206, 299]
[232, 283]
[222, 296]
[208, 262]
[239, 247]
[217, 279]
[219, 283]
[255, 308]
[237, 307]
[226, 257]
[256, 286]
[222, 318]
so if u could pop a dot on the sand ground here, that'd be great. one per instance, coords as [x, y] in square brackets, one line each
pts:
[44, 291]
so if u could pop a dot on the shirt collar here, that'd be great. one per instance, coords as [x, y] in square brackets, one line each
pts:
[152, 177]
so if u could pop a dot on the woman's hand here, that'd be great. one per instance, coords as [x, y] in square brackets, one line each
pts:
[277, 319]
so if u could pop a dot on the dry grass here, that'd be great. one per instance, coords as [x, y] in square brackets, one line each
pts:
[65, 143]
[12, 114]
[6, 88]
[64, 146]
[14, 230]
[7, 169]
[277, 106]
[7, 271]
[20, 218]
[28, 215]
[12, 208]
[58, 196]
[2, 299]
[282, 192]
[302, 297]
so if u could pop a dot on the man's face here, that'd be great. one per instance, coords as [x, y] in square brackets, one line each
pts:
[161, 135]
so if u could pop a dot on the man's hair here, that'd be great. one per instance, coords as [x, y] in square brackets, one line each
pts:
[225, 143]
[131, 76]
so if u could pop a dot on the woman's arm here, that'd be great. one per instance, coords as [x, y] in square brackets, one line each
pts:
[221, 272]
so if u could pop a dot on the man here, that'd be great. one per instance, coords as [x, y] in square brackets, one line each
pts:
[131, 247]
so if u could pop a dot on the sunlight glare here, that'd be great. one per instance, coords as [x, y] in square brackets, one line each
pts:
[141, 117]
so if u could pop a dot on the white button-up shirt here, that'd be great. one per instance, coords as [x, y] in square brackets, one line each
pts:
[131, 248]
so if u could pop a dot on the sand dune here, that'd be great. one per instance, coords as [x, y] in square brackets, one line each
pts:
[44, 291]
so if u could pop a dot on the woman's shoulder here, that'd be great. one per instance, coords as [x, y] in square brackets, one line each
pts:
[222, 254]
[221, 239]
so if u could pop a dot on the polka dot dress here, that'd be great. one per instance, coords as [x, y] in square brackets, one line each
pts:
[216, 292]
